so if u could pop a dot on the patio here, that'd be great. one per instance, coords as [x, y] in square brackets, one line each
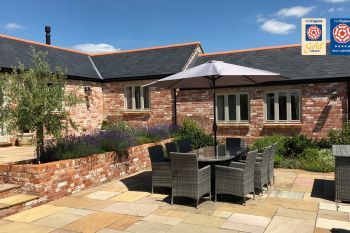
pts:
[298, 202]
[14, 154]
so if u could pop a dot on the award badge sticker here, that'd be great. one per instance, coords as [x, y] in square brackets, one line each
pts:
[340, 37]
[313, 36]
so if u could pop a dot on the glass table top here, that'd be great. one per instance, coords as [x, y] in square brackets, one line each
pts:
[223, 153]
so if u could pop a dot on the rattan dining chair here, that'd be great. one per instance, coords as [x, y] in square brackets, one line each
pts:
[261, 176]
[237, 179]
[170, 147]
[161, 171]
[184, 146]
[187, 179]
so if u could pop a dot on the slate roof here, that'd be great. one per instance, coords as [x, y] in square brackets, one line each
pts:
[286, 60]
[156, 61]
[164, 60]
[13, 50]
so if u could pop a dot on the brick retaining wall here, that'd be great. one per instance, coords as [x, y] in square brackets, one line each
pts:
[61, 178]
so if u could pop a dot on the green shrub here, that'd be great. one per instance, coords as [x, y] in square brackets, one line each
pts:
[317, 160]
[193, 132]
[261, 143]
[340, 137]
[296, 145]
[118, 125]
[283, 162]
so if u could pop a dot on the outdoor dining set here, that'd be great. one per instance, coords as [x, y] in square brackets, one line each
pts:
[214, 170]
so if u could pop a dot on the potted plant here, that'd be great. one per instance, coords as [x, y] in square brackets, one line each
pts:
[25, 137]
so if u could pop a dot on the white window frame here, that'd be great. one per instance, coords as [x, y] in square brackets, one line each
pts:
[238, 107]
[133, 101]
[289, 106]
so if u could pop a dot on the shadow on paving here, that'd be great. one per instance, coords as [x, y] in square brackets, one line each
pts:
[324, 189]
[336, 230]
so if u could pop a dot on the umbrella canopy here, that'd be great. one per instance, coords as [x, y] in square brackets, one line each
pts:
[224, 74]
[214, 74]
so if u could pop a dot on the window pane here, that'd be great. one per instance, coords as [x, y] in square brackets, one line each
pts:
[243, 102]
[270, 106]
[138, 97]
[221, 107]
[146, 97]
[232, 107]
[282, 104]
[128, 97]
[295, 105]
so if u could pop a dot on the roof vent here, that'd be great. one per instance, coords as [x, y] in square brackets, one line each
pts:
[48, 35]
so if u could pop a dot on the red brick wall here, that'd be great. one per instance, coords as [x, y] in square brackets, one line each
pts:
[89, 114]
[161, 104]
[319, 115]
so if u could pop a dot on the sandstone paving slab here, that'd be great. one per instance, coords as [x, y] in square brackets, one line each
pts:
[18, 199]
[188, 209]
[82, 203]
[102, 195]
[131, 208]
[149, 227]
[171, 213]
[62, 231]
[290, 225]
[2, 206]
[242, 227]
[75, 211]
[222, 213]
[333, 215]
[150, 200]
[308, 197]
[263, 209]
[344, 208]
[321, 230]
[3, 222]
[328, 206]
[17, 227]
[162, 219]
[292, 213]
[93, 222]
[301, 188]
[123, 222]
[190, 228]
[6, 187]
[292, 203]
[287, 194]
[158, 196]
[33, 214]
[249, 219]
[204, 220]
[86, 192]
[130, 196]
[114, 186]
[107, 230]
[330, 224]
[57, 220]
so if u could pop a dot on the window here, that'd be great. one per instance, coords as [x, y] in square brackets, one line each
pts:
[282, 106]
[137, 98]
[232, 107]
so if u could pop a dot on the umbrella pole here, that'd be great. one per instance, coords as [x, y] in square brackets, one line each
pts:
[215, 127]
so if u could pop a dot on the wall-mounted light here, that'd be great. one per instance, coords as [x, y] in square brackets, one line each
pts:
[334, 93]
[87, 91]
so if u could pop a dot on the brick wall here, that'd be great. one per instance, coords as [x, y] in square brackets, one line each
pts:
[88, 114]
[61, 178]
[319, 114]
[160, 111]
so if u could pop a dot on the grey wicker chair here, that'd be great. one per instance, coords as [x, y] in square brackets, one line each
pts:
[271, 171]
[184, 146]
[237, 179]
[170, 147]
[187, 179]
[261, 176]
[161, 171]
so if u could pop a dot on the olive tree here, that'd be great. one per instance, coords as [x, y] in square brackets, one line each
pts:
[35, 99]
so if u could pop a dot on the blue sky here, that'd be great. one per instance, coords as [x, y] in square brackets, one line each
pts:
[106, 25]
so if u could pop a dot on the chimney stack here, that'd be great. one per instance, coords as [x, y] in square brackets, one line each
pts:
[48, 35]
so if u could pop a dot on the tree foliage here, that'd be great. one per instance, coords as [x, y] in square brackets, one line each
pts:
[35, 99]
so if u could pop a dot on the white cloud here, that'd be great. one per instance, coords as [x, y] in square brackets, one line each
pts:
[95, 48]
[296, 11]
[260, 19]
[277, 27]
[13, 26]
[336, 9]
[336, 1]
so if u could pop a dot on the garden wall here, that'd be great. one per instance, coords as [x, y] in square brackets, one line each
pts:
[61, 178]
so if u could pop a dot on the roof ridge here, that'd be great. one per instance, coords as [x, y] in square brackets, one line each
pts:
[144, 49]
[252, 49]
[41, 44]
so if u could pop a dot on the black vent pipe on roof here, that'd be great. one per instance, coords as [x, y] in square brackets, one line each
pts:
[48, 35]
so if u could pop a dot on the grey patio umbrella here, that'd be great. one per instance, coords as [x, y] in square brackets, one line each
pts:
[215, 74]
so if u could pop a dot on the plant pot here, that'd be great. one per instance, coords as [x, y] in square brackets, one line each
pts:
[25, 139]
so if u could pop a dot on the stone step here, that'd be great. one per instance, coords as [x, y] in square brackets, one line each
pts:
[17, 199]
[5, 144]
[7, 190]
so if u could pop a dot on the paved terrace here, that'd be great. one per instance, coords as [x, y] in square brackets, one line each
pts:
[299, 202]
[16, 153]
